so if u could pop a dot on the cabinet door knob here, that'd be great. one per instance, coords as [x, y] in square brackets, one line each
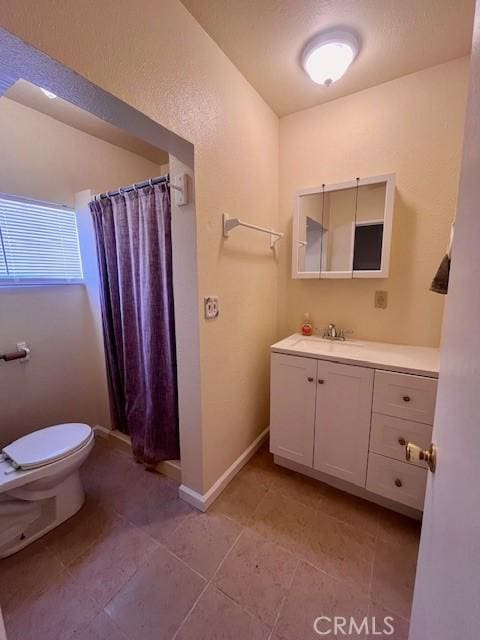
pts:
[310, 379]
[406, 398]
[321, 381]
[398, 482]
[402, 442]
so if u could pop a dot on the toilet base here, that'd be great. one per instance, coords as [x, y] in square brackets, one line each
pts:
[25, 519]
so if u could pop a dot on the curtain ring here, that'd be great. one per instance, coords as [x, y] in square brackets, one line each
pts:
[150, 182]
[135, 188]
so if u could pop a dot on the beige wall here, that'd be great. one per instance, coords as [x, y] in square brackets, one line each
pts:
[173, 72]
[64, 380]
[45, 159]
[413, 127]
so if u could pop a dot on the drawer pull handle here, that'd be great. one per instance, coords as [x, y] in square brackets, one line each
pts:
[321, 381]
[398, 482]
[402, 442]
[310, 379]
[406, 398]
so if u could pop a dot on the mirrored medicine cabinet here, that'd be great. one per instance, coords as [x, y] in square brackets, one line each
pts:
[344, 230]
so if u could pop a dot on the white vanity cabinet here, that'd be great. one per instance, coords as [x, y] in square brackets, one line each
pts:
[337, 417]
[342, 420]
[292, 407]
[320, 415]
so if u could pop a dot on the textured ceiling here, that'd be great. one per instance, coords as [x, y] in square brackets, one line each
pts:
[264, 39]
[31, 96]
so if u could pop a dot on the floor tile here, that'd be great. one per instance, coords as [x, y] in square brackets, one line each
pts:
[352, 510]
[386, 621]
[154, 602]
[107, 565]
[398, 529]
[256, 574]
[109, 551]
[257, 475]
[92, 523]
[217, 617]
[281, 520]
[101, 627]
[239, 500]
[298, 487]
[143, 483]
[110, 476]
[25, 575]
[263, 457]
[394, 576]
[261, 468]
[203, 540]
[314, 594]
[55, 614]
[156, 507]
[343, 551]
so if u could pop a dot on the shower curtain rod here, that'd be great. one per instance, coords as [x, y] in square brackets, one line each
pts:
[139, 185]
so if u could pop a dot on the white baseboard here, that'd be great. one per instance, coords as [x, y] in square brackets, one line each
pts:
[102, 432]
[203, 501]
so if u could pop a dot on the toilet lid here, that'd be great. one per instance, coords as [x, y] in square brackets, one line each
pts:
[47, 445]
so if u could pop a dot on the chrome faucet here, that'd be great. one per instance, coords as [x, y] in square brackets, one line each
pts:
[332, 333]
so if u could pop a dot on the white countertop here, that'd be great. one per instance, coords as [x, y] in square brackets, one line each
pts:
[422, 361]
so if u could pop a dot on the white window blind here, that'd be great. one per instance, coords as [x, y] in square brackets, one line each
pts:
[38, 243]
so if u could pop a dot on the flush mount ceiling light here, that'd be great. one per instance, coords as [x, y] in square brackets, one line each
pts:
[327, 57]
[48, 93]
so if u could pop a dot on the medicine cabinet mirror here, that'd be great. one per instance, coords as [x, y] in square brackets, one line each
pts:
[344, 230]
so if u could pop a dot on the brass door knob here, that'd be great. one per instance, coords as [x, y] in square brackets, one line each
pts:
[398, 482]
[406, 398]
[310, 379]
[402, 442]
[414, 453]
[321, 382]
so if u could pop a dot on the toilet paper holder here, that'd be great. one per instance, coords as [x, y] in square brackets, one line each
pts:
[22, 353]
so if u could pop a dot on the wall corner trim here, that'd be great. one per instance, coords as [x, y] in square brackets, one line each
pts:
[203, 501]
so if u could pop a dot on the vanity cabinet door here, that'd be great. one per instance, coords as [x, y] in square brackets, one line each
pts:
[292, 407]
[342, 420]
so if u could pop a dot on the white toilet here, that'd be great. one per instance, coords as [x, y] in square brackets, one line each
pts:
[40, 484]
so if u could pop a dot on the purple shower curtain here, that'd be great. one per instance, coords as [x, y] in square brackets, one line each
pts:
[133, 235]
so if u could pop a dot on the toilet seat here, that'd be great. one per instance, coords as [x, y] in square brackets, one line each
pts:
[47, 445]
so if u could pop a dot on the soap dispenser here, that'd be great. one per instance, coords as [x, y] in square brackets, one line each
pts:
[307, 326]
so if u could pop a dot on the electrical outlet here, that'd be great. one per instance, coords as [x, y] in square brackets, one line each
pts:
[211, 307]
[381, 299]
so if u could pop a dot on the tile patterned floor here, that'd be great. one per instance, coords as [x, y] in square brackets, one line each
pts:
[274, 552]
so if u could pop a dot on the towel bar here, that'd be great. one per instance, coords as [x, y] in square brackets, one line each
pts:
[231, 223]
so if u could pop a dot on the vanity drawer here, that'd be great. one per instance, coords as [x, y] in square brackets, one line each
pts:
[405, 396]
[388, 436]
[396, 480]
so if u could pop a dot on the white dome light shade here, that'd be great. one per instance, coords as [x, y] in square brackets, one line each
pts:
[328, 57]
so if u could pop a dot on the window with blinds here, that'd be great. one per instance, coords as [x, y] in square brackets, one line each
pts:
[38, 243]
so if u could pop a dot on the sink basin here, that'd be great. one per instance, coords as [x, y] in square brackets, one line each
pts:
[376, 355]
[309, 342]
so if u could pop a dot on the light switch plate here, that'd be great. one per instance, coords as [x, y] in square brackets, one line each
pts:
[381, 299]
[211, 307]
[181, 192]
